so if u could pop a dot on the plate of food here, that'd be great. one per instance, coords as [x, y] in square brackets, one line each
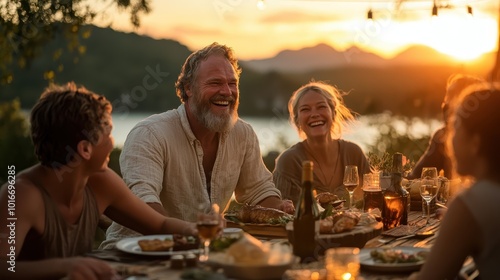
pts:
[159, 245]
[258, 220]
[395, 259]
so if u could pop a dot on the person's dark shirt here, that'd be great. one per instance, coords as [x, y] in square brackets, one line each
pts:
[434, 156]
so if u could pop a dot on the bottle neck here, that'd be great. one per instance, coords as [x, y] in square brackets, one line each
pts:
[397, 163]
[307, 205]
[396, 183]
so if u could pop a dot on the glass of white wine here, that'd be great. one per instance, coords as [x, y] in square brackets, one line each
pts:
[351, 181]
[429, 187]
[208, 228]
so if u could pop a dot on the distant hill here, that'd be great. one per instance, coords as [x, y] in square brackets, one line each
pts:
[421, 55]
[115, 64]
[138, 73]
[323, 56]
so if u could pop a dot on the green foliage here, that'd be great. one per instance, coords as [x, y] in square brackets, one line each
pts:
[383, 163]
[393, 138]
[380, 162]
[131, 78]
[28, 25]
[15, 144]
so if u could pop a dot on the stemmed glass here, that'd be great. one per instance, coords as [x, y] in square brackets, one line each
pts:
[208, 228]
[351, 181]
[429, 187]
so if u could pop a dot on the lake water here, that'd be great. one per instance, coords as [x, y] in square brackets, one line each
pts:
[276, 133]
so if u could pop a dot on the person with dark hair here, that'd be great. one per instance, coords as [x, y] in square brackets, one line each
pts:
[436, 154]
[49, 212]
[199, 153]
[470, 226]
[318, 112]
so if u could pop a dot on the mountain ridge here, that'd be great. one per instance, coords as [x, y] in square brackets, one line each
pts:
[323, 56]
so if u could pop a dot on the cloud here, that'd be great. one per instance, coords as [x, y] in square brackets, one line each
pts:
[296, 16]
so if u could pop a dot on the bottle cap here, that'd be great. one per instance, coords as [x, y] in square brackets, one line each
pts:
[307, 164]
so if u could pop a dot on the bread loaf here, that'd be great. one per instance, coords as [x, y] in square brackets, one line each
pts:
[344, 221]
[338, 222]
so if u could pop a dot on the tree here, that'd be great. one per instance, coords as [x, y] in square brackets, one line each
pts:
[26, 26]
[16, 148]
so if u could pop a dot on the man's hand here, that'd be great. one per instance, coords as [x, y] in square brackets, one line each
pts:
[275, 202]
[287, 206]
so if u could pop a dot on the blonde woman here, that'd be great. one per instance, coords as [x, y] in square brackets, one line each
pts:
[318, 113]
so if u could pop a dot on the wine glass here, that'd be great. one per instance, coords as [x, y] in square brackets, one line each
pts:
[429, 187]
[351, 181]
[208, 227]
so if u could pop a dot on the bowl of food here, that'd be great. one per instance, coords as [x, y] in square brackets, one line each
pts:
[251, 259]
[255, 272]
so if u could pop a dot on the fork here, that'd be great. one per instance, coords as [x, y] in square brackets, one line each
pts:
[390, 240]
[422, 229]
[423, 243]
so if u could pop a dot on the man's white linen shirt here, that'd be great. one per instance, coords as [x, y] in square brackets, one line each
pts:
[162, 162]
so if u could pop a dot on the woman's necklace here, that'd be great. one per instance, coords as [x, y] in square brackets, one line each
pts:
[324, 178]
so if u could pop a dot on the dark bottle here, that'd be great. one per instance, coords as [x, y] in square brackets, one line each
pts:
[306, 222]
[395, 210]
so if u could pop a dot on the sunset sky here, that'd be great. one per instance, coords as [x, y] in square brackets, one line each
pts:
[293, 24]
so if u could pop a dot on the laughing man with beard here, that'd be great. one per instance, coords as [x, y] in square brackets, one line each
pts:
[199, 153]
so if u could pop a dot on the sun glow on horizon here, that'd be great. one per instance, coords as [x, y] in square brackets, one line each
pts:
[462, 37]
[293, 25]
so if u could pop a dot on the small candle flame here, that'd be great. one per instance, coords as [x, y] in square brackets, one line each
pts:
[346, 276]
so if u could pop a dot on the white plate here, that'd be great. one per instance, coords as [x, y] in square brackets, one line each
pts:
[367, 262]
[130, 245]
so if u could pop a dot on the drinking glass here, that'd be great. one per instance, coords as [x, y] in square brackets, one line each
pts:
[208, 228]
[444, 190]
[351, 181]
[429, 187]
[372, 193]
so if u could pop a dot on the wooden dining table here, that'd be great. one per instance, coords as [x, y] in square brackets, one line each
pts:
[133, 267]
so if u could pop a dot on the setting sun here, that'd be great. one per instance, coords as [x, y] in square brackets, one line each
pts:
[463, 38]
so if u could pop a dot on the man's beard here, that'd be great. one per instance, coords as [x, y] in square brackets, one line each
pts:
[214, 122]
